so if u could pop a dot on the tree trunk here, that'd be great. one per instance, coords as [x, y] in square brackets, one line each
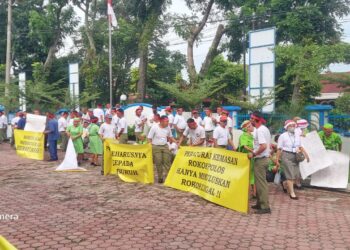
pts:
[141, 84]
[213, 51]
[193, 37]
[50, 56]
[296, 96]
[88, 32]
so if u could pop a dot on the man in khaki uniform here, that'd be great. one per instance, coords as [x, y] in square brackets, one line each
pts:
[261, 154]
[122, 133]
[158, 136]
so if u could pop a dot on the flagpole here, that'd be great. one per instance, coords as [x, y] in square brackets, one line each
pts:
[110, 59]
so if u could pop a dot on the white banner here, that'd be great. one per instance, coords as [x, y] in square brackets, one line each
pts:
[35, 123]
[319, 159]
[335, 176]
[70, 162]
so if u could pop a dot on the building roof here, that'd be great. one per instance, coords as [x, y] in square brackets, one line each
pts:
[329, 86]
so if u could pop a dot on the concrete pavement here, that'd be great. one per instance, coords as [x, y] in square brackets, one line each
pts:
[89, 211]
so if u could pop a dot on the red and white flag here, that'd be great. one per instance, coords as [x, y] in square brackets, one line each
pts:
[111, 15]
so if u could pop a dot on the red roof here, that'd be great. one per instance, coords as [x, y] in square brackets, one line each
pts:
[332, 87]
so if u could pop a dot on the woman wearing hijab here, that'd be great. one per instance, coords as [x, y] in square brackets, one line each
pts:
[246, 141]
[75, 132]
[287, 148]
[95, 143]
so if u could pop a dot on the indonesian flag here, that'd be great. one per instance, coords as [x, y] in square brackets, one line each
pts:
[111, 16]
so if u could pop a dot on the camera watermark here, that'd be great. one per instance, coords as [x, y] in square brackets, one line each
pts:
[9, 217]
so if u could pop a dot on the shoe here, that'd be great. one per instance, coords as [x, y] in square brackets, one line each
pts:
[160, 181]
[294, 198]
[263, 211]
[256, 207]
[284, 189]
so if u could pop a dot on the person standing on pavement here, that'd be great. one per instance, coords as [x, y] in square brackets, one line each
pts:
[245, 145]
[195, 133]
[179, 123]
[3, 127]
[169, 113]
[221, 135]
[261, 154]
[197, 118]
[95, 142]
[62, 127]
[14, 122]
[52, 135]
[209, 125]
[107, 131]
[139, 124]
[99, 113]
[329, 138]
[122, 132]
[75, 132]
[159, 136]
[22, 121]
[288, 145]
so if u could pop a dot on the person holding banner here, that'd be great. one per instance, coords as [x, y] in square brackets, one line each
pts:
[95, 143]
[139, 124]
[195, 133]
[245, 145]
[261, 155]
[221, 135]
[52, 135]
[329, 138]
[288, 145]
[75, 132]
[158, 136]
[122, 128]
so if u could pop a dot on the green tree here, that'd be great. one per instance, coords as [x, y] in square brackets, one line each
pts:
[304, 65]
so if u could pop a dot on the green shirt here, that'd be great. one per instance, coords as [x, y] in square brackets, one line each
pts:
[332, 142]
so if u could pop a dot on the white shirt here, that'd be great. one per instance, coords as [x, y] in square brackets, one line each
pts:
[122, 125]
[195, 135]
[3, 121]
[159, 136]
[229, 124]
[85, 116]
[221, 135]
[115, 120]
[138, 124]
[262, 136]
[107, 131]
[179, 121]
[108, 111]
[62, 124]
[208, 124]
[171, 120]
[15, 120]
[198, 120]
[99, 113]
[288, 142]
[70, 121]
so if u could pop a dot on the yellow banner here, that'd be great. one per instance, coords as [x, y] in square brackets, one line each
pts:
[29, 144]
[5, 245]
[132, 163]
[218, 175]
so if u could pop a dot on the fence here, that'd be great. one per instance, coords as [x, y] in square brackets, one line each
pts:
[341, 123]
[275, 122]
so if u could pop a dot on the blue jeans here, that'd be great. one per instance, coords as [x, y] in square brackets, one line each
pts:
[53, 149]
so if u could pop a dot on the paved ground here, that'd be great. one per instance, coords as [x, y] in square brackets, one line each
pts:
[89, 211]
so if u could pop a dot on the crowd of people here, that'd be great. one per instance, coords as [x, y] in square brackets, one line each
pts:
[167, 132]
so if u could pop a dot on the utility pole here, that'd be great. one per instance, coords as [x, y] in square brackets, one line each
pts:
[8, 47]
